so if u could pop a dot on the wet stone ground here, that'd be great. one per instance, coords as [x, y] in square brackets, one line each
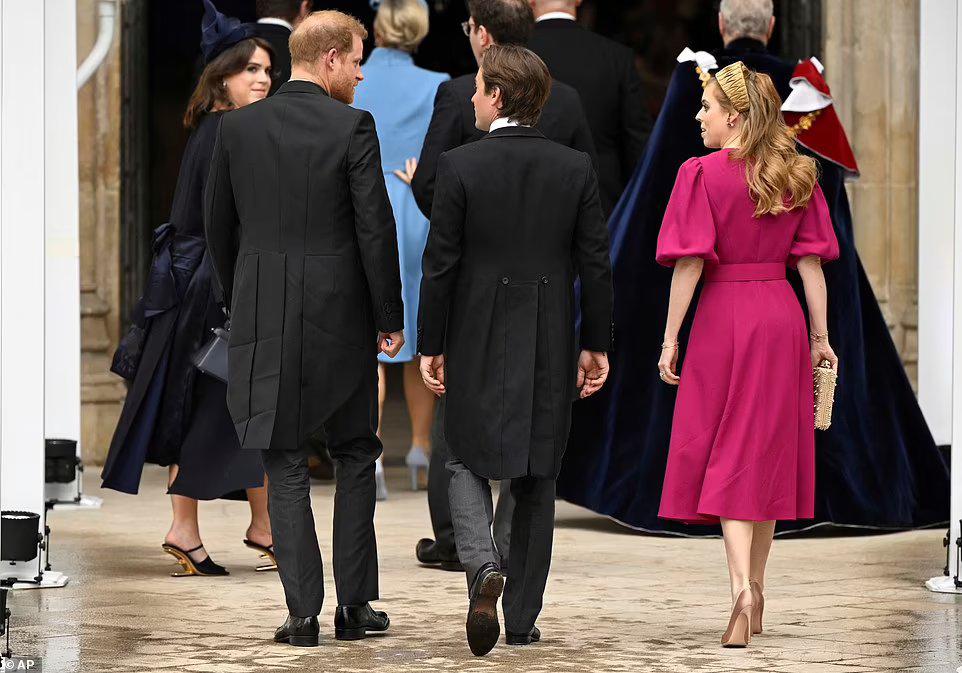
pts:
[616, 600]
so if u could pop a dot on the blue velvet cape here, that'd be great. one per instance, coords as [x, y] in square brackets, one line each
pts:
[877, 466]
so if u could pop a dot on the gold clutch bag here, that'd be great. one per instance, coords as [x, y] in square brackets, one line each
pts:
[825, 380]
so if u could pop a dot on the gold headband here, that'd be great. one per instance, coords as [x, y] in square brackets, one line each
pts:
[731, 79]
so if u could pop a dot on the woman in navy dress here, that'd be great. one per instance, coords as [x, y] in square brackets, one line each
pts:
[173, 415]
[400, 96]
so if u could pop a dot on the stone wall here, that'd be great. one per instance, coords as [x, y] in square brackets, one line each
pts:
[102, 393]
[872, 65]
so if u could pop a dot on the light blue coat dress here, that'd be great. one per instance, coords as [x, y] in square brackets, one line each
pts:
[400, 96]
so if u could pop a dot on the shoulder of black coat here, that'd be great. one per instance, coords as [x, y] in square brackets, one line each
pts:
[459, 85]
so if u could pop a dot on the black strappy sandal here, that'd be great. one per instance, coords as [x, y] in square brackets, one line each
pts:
[190, 566]
[265, 552]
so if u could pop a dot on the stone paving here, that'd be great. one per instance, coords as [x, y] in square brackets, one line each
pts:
[616, 600]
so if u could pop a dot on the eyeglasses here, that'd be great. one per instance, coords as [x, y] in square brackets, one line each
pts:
[466, 27]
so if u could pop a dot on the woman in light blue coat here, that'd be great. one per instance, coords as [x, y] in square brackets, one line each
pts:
[400, 96]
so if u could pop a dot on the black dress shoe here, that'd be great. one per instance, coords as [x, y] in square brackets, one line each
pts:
[352, 622]
[298, 631]
[483, 627]
[532, 636]
[428, 553]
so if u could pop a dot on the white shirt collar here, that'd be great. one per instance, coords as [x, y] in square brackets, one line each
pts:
[274, 21]
[556, 15]
[502, 122]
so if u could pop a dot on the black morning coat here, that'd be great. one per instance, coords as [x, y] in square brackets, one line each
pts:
[303, 240]
[516, 219]
[603, 72]
[452, 125]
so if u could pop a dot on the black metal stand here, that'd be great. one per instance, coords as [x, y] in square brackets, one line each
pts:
[80, 480]
[6, 621]
[958, 559]
[22, 541]
[45, 545]
[945, 543]
[5, 618]
[62, 466]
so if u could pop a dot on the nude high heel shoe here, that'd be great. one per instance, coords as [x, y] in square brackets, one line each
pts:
[739, 632]
[379, 481]
[758, 606]
[417, 461]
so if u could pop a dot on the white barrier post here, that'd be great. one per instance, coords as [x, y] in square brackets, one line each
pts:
[940, 247]
[21, 270]
[62, 227]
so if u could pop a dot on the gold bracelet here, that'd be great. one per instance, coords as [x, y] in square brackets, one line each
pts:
[819, 336]
[667, 346]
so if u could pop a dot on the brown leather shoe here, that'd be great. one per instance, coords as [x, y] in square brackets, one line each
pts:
[482, 626]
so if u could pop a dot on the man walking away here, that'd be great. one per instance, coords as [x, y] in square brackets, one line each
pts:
[303, 240]
[516, 221]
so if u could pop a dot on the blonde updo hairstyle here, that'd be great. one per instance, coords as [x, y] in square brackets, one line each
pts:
[401, 24]
[779, 178]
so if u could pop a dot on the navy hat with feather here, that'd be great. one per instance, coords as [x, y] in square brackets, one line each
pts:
[218, 32]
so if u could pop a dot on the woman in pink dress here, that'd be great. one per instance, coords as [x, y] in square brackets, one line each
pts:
[742, 448]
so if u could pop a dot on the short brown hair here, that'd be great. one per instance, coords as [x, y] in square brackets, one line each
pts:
[322, 31]
[507, 21]
[522, 78]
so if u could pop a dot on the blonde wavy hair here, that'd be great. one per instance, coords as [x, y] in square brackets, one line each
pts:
[779, 178]
[401, 24]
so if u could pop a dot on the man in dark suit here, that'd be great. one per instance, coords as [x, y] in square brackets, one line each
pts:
[452, 125]
[303, 240]
[603, 72]
[516, 220]
[276, 20]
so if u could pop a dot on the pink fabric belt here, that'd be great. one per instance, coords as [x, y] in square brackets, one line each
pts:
[729, 273]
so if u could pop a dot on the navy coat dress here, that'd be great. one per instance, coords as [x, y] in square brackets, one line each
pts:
[173, 414]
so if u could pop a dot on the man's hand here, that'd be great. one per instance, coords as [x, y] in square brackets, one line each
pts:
[390, 344]
[432, 373]
[592, 372]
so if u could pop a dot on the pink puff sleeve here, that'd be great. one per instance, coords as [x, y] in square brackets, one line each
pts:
[815, 234]
[688, 228]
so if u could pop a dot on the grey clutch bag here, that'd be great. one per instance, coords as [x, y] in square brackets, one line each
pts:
[211, 359]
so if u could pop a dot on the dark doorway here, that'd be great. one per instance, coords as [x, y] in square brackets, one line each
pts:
[160, 67]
